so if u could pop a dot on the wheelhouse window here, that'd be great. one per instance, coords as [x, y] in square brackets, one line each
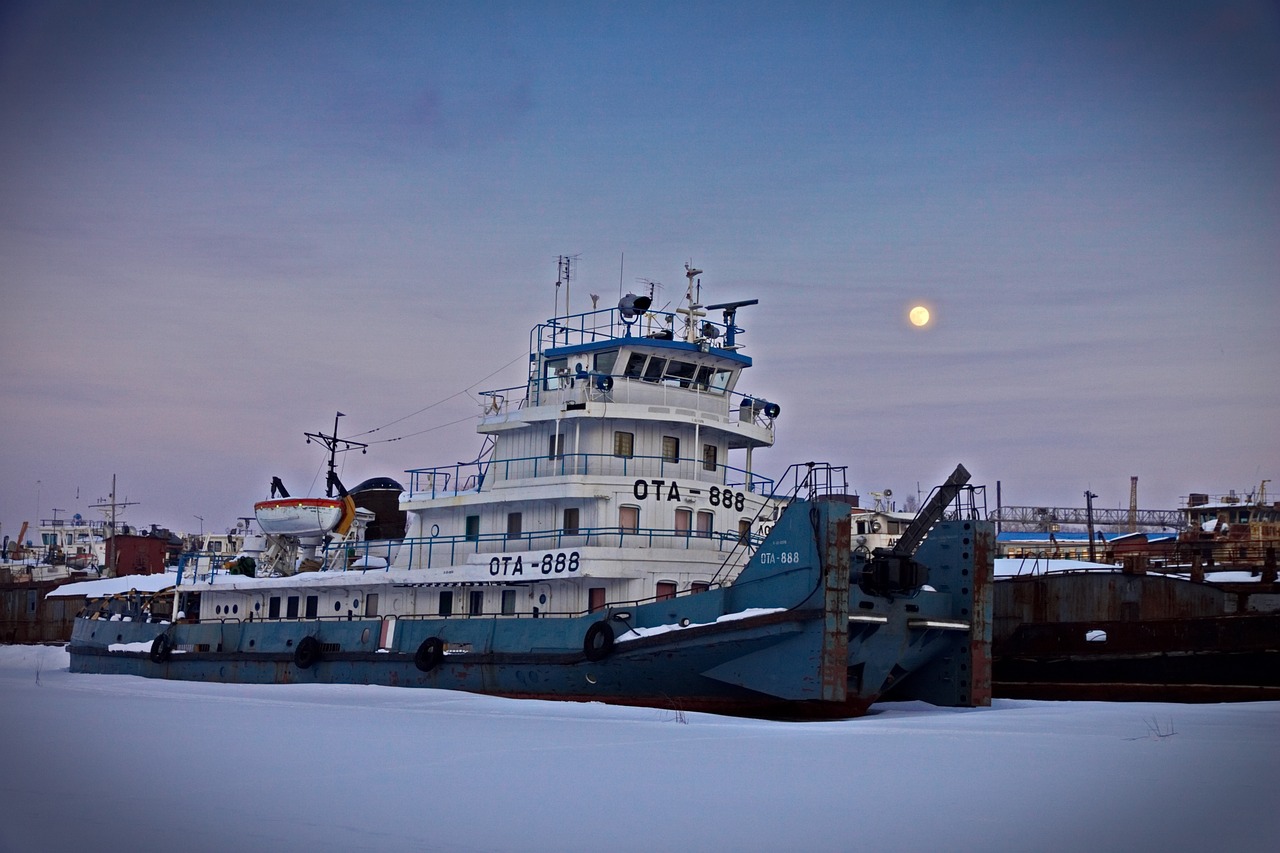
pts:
[670, 448]
[681, 373]
[623, 444]
[635, 365]
[605, 361]
[654, 369]
[556, 374]
[708, 457]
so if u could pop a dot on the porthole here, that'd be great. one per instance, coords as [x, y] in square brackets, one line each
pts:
[355, 604]
[364, 636]
[337, 606]
[542, 599]
[235, 608]
[257, 605]
[218, 610]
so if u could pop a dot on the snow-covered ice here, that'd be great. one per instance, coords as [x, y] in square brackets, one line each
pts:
[117, 763]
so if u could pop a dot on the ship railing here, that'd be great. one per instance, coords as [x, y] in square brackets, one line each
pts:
[446, 480]
[608, 324]
[442, 551]
[463, 478]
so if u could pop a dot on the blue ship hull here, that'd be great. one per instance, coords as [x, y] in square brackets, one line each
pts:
[796, 635]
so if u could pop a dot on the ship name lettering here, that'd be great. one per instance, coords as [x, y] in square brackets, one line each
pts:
[560, 562]
[640, 488]
[505, 566]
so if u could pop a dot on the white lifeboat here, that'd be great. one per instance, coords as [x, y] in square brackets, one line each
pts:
[304, 516]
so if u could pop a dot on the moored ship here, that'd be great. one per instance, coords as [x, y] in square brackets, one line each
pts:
[615, 542]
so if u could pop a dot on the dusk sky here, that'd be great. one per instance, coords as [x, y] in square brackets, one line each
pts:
[223, 222]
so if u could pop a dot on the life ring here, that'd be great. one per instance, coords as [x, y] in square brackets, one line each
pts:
[307, 653]
[429, 654]
[599, 641]
[161, 648]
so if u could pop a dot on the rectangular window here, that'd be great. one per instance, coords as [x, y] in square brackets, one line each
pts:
[371, 604]
[476, 603]
[313, 606]
[670, 448]
[744, 530]
[629, 519]
[556, 373]
[291, 607]
[635, 365]
[508, 602]
[666, 589]
[605, 361]
[514, 522]
[570, 526]
[273, 607]
[681, 373]
[555, 448]
[473, 528]
[595, 598]
[623, 444]
[704, 523]
[654, 369]
[708, 457]
[684, 521]
[699, 586]
[446, 603]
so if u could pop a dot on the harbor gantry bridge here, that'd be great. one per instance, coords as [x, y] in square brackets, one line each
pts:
[1045, 517]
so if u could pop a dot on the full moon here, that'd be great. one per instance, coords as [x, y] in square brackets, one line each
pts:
[919, 316]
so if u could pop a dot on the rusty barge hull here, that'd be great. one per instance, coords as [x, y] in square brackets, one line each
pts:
[1123, 637]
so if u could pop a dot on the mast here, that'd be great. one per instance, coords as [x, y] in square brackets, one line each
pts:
[335, 445]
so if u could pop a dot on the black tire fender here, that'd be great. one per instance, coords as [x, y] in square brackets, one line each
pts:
[307, 653]
[161, 648]
[598, 642]
[429, 654]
